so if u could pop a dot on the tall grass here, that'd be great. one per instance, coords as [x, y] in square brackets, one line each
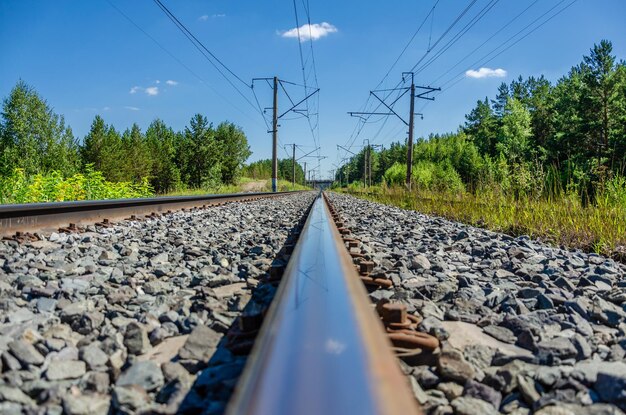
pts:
[559, 220]
[53, 187]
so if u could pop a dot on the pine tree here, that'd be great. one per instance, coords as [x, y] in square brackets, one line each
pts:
[234, 151]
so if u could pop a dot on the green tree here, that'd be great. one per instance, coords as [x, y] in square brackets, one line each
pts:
[516, 132]
[34, 138]
[234, 151]
[482, 127]
[161, 141]
[102, 148]
[137, 161]
[200, 154]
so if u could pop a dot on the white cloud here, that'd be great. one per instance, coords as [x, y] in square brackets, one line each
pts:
[313, 32]
[486, 73]
[218, 15]
[157, 82]
[152, 90]
[132, 108]
[204, 17]
[106, 108]
[171, 82]
[134, 89]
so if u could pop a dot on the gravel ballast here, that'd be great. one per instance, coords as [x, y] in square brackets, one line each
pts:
[125, 318]
[524, 327]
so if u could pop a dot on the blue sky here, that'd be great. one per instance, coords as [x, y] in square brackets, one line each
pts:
[86, 58]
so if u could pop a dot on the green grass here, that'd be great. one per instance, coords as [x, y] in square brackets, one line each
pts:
[560, 221]
[53, 187]
[283, 186]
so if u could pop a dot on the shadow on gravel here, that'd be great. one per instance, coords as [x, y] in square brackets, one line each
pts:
[216, 382]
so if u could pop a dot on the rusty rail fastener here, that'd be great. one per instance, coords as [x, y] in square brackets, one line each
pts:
[366, 267]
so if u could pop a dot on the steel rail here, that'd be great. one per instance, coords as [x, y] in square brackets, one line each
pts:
[31, 217]
[321, 349]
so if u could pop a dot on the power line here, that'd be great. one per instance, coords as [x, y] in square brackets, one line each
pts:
[488, 39]
[515, 35]
[303, 68]
[164, 49]
[460, 77]
[441, 37]
[209, 56]
[459, 34]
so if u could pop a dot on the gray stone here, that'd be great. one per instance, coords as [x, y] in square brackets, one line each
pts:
[420, 262]
[130, 398]
[527, 389]
[86, 404]
[25, 352]
[12, 394]
[145, 374]
[418, 392]
[452, 365]
[558, 347]
[501, 333]
[479, 390]
[46, 305]
[452, 390]
[65, 369]
[94, 356]
[200, 344]
[471, 406]
[136, 338]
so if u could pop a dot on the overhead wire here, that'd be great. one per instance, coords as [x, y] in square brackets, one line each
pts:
[177, 60]
[458, 18]
[209, 56]
[453, 81]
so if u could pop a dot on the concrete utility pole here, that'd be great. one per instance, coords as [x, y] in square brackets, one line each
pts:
[391, 111]
[369, 163]
[305, 174]
[409, 150]
[275, 138]
[293, 166]
[276, 117]
[365, 169]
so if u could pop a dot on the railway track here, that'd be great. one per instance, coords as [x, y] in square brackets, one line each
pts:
[322, 349]
[42, 217]
[263, 307]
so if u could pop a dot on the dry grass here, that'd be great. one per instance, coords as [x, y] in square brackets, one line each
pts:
[563, 222]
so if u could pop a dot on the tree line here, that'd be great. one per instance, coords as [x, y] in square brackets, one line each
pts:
[262, 169]
[533, 138]
[37, 141]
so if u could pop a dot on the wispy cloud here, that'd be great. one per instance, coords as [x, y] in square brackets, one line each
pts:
[152, 90]
[486, 73]
[106, 108]
[205, 17]
[149, 90]
[131, 108]
[171, 82]
[313, 31]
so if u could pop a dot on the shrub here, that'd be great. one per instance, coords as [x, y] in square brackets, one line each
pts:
[396, 174]
[52, 187]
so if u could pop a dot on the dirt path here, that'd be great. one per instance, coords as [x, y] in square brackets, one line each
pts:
[255, 186]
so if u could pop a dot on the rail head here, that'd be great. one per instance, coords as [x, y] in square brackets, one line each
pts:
[321, 349]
